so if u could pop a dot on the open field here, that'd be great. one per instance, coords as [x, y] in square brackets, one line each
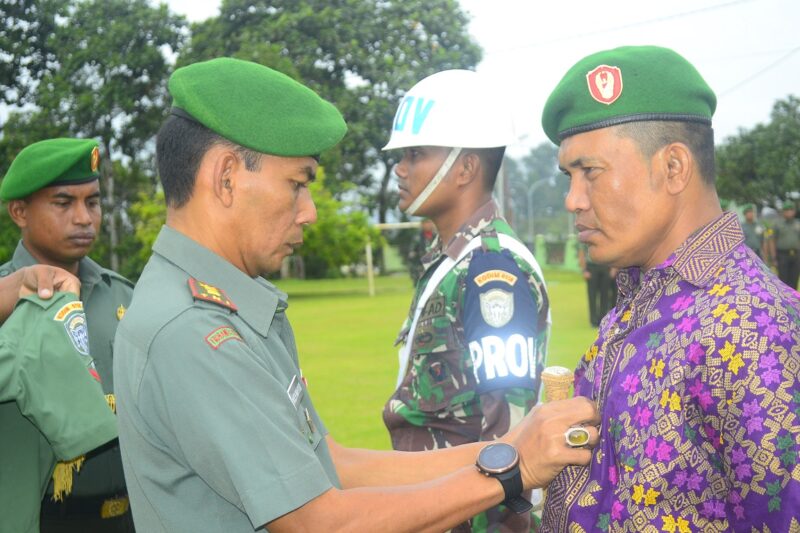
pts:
[345, 342]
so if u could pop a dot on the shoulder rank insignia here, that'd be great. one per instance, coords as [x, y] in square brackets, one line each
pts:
[210, 293]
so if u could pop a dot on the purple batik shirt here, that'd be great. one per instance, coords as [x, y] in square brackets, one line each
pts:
[697, 377]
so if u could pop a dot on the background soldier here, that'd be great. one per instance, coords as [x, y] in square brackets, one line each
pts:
[53, 194]
[600, 286]
[785, 245]
[753, 230]
[475, 340]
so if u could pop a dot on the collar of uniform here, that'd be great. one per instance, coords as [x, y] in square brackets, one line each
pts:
[89, 272]
[256, 299]
[481, 218]
[697, 259]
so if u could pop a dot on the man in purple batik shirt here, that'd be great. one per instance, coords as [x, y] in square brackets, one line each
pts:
[696, 372]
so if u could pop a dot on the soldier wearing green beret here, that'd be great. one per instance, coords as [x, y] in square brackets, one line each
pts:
[217, 426]
[53, 194]
[784, 245]
[690, 366]
[753, 230]
[51, 404]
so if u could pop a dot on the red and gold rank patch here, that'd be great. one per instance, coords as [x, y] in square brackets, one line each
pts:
[210, 293]
[220, 335]
[495, 275]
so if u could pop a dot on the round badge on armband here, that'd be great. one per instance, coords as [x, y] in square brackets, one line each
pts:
[576, 437]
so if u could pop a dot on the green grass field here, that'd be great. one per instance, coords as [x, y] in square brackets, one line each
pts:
[345, 342]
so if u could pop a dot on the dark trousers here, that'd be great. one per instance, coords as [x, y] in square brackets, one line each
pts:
[602, 292]
[81, 515]
[789, 267]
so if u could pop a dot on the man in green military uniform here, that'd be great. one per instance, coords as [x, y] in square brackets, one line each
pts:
[753, 230]
[784, 245]
[218, 430]
[475, 339]
[51, 404]
[53, 194]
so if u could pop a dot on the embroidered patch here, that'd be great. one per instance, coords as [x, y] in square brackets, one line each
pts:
[210, 293]
[434, 308]
[605, 84]
[121, 312]
[77, 332]
[497, 307]
[220, 335]
[66, 309]
[495, 275]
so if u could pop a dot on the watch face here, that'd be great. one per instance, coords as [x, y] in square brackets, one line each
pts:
[498, 458]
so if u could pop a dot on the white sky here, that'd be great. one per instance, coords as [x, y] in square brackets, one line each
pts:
[747, 50]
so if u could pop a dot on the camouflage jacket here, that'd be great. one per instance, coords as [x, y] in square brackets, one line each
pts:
[477, 353]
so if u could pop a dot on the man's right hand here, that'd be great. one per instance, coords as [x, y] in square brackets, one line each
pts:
[46, 280]
[540, 441]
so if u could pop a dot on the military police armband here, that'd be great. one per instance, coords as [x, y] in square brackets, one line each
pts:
[500, 317]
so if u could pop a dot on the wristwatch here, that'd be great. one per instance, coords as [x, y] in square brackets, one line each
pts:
[501, 461]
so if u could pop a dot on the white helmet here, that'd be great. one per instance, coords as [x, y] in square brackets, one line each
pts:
[455, 108]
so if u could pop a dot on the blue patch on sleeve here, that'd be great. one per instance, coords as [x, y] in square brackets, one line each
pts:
[500, 323]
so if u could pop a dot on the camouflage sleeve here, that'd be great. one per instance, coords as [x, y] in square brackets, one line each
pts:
[500, 318]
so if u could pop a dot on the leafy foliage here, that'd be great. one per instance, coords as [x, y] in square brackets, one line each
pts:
[762, 165]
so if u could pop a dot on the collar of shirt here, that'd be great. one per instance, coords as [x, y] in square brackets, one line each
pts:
[472, 227]
[257, 300]
[697, 259]
[89, 272]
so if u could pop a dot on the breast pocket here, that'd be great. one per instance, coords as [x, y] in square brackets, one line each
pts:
[441, 380]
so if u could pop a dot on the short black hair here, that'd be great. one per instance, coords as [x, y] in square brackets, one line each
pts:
[651, 135]
[180, 146]
[491, 159]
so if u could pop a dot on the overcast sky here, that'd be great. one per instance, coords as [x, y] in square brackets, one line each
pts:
[747, 50]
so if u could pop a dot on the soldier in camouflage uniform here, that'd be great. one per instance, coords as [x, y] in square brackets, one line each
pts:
[475, 339]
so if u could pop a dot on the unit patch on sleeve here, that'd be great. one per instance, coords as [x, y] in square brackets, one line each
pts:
[220, 335]
[497, 307]
[210, 293]
[74, 320]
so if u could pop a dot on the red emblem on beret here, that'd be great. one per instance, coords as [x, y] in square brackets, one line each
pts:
[605, 83]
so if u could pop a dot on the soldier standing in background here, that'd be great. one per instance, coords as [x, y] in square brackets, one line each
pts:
[53, 194]
[753, 230]
[475, 339]
[784, 245]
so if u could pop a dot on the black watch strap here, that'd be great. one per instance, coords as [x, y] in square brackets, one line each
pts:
[512, 486]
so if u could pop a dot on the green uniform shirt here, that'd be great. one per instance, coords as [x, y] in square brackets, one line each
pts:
[217, 428]
[787, 234]
[51, 405]
[753, 235]
[105, 295]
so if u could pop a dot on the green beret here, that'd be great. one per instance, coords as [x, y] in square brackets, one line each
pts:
[748, 207]
[627, 84]
[51, 162]
[256, 107]
[788, 204]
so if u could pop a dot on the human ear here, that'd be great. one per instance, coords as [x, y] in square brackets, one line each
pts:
[224, 177]
[18, 211]
[469, 169]
[679, 163]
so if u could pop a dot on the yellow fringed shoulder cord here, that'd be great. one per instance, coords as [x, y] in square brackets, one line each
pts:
[62, 475]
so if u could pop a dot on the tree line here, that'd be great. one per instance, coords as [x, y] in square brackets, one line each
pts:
[99, 68]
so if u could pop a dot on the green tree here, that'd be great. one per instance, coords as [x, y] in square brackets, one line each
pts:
[26, 51]
[109, 83]
[359, 54]
[338, 237]
[762, 165]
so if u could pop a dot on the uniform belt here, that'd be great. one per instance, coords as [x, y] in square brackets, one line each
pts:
[103, 506]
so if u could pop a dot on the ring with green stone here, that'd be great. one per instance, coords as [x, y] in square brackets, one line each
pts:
[576, 437]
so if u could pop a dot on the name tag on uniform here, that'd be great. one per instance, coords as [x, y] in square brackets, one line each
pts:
[295, 391]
